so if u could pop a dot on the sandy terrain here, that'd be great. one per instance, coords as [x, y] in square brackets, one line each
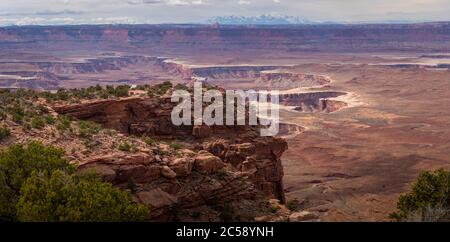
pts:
[352, 164]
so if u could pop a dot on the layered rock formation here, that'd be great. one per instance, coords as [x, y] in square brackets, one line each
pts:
[197, 38]
[287, 80]
[238, 166]
[314, 101]
[142, 116]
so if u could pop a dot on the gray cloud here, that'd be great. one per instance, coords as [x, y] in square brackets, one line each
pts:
[62, 12]
[139, 2]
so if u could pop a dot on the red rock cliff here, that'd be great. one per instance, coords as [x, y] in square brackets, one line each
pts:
[229, 164]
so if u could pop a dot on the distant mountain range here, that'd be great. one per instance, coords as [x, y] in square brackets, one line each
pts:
[258, 20]
[291, 20]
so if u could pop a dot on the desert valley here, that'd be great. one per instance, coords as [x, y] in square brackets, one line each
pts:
[364, 109]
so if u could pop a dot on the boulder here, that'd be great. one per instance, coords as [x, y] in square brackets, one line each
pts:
[201, 132]
[104, 171]
[182, 166]
[207, 163]
[303, 216]
[140, 174]
[168, 173]
[156, 198]
[217, 147]
[246, 149]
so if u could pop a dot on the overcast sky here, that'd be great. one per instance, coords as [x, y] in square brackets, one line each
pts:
[22, 12]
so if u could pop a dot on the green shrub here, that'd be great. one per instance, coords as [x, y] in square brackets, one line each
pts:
[17, 113]
[49, 119]
[160, 89]
[38, 184]
[181, 87]
[176, 145]
[104, 95]
[430, 192]
[64, 123]
[17, 108]
[26, 126]
[3, 115]
[98, 88]
[274, 209]
[37, 122]
[42, 109]
[5, 132]
[150, 141]
[164, 87]
[125, 146]
[293, 205]
[17, 118]
[16, 165]
[75, 198]
[88, 128]
[62, 95]
[121, 91]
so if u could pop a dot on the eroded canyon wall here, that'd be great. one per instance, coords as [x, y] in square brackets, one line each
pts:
[185, 39]
[228, 164]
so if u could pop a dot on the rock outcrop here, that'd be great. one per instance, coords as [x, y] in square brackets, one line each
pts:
[207, 163]
[183, 183]
[141, 116]
[312, 102]
[259, 160]
[303, 216]
[223, 164]
[287, 80]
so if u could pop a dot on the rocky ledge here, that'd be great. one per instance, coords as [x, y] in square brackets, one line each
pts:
[224, 173]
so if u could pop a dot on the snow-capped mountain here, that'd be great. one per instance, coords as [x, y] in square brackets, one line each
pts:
[258, 20]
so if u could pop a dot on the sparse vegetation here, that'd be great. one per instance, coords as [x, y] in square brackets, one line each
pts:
[160, 89]
[64, 123]
[75, 95]
[88, 128]
[49, 119]
[17, 118]
[293, 205]
[37, 122]
[175, 145]
[162, 153]
[18, 103]
[42, 109]
[181, 87]
[274, 209]
[5, 132]
[150, 141]
[429, 199]
[3, 115]
[121, 91]
[125, 147]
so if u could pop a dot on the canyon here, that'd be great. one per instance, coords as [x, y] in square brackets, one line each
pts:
[364, 108]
